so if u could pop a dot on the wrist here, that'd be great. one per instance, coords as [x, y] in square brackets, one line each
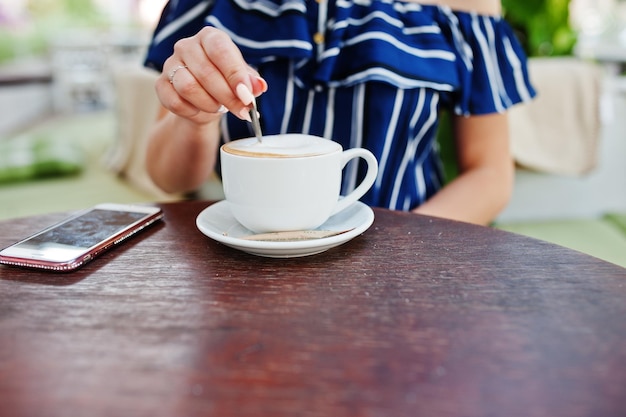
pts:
[196, 129]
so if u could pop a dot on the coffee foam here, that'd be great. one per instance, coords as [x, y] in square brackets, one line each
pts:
[282, 146]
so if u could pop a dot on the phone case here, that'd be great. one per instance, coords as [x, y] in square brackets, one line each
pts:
[71, 243]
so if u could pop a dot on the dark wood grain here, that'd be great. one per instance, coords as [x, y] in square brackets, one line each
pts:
[416, 317]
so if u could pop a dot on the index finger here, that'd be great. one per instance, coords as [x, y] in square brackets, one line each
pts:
[226, 57]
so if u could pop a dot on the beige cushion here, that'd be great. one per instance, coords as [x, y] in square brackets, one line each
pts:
[559, 131]
[136, 111]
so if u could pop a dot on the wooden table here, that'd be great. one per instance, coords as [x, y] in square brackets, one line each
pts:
[416, 317]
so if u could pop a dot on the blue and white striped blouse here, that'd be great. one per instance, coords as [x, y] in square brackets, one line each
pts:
[365, 73]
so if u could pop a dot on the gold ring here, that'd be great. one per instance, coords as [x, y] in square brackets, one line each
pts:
[173, 72]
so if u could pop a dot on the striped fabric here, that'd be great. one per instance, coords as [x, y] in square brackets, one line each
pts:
[365, 73]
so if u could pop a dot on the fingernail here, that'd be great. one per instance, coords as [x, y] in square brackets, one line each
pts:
[244, 94]
[245, 114]
[262, 83]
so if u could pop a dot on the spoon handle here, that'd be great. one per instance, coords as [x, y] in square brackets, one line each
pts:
[256, 125]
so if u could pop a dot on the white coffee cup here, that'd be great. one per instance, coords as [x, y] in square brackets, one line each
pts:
[289, 182]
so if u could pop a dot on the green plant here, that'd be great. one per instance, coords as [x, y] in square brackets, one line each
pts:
[542, 26]
[52, 15]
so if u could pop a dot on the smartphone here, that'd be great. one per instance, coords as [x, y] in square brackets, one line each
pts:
[67, 245]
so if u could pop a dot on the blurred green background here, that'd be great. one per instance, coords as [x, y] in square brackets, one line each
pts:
[542, 26]
[27, 26]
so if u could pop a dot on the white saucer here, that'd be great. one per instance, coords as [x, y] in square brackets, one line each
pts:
[217, 222]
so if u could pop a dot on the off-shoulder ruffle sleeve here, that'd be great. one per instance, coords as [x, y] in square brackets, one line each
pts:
[475, 60]
[491, 64]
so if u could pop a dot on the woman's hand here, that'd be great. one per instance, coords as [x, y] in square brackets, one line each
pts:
[207, 76]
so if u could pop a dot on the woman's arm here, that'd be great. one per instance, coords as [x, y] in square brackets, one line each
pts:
[181, 154]
[485, 182]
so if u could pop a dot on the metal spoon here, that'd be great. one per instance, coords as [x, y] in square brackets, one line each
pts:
[256, 126]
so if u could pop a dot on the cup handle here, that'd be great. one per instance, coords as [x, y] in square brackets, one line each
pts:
[368, 181]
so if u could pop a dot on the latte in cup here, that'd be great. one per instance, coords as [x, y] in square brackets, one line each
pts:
[282, 146]
[289, 182]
